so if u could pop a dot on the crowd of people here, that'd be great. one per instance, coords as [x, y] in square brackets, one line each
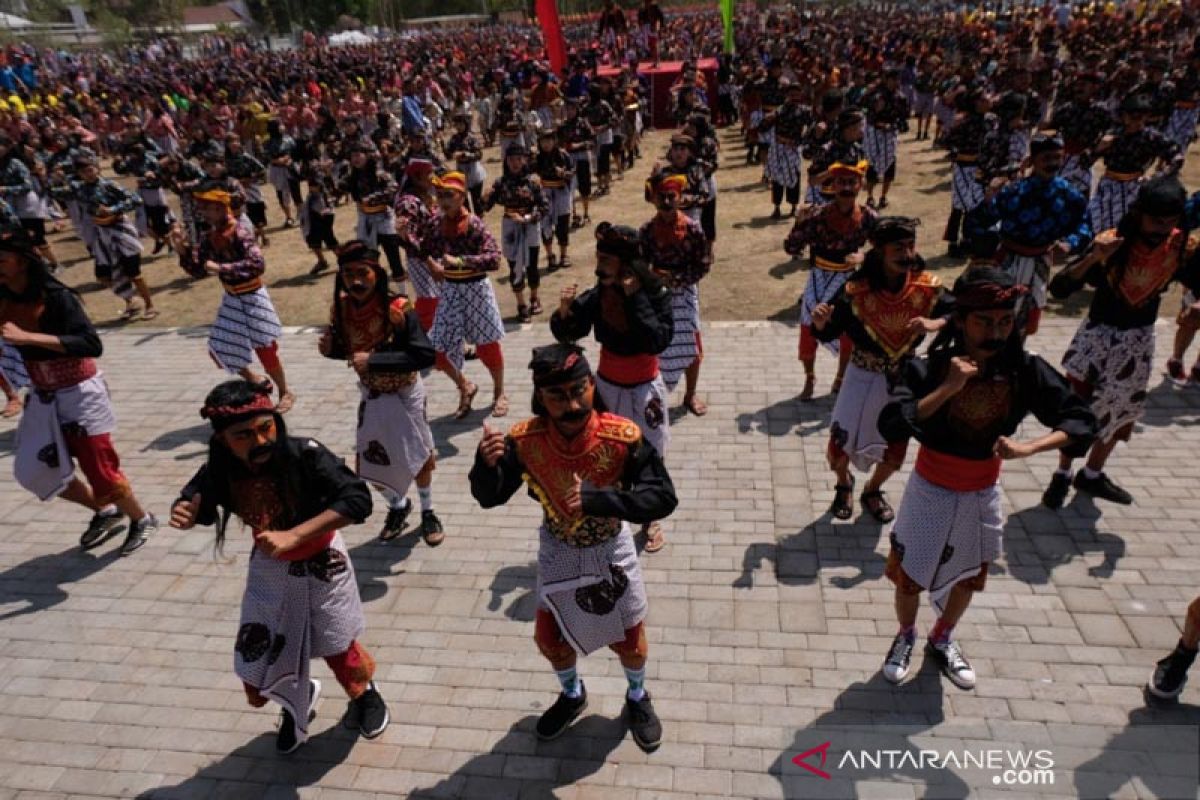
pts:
[1025, 107]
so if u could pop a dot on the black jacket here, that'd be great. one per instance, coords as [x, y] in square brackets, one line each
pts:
[324, 483]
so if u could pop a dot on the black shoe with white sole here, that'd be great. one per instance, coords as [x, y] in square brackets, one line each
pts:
[1170, 674]
[99, 528]
[560, 715]
[287, 741]
[372, 713]
[139, 533]
[644, 723]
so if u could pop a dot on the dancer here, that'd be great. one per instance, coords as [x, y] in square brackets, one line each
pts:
[1110, 359]
[519, 192]
[630, 311]
[833, 234]
[676, 248]
[246, 323]
[884, 308]
[460, 252]
[69, 418]
[301, 600]
[380, 337]
[555, 169]
[592, 473]
[963, 402]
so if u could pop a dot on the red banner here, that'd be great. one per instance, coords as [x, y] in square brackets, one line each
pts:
[556, 48]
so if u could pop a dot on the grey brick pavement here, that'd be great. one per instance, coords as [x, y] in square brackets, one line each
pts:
[767, 622]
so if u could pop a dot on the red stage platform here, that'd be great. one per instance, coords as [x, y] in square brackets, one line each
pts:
[662, 78]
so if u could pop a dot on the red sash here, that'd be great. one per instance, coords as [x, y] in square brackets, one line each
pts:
[627, 370]
[957, 474]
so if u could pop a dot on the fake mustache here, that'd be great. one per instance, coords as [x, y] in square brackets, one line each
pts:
[260, 451]
[991, 345]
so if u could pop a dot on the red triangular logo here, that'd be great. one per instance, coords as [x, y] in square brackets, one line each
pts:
[823, 751]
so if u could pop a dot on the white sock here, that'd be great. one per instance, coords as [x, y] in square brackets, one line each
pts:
[109, 510]
[1090, 473]
[395, 500]
[425, 493]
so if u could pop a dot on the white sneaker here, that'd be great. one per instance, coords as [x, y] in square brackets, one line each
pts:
[954, 663]
[899, 657]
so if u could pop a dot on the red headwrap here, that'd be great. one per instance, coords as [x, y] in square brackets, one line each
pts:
[222, 417]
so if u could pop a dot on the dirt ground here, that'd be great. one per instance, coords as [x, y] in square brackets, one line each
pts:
[752, 278]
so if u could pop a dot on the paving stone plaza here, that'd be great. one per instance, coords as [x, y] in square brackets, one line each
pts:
[768, 623]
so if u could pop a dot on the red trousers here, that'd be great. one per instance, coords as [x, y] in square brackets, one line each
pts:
[100, 465]
[353, 670]
[631, 651]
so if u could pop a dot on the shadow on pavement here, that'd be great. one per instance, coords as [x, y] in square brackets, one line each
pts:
[256, 770]
[542, 766]
[521, 579]
[1037, 541]
[870, 715]
[39, 582]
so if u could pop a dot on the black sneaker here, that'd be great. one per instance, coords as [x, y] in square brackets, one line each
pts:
[393, 526]
[899, 657]
[1170, 674]
[139, 534]
[431, 528]
[1102, 486]
[643, 723]
[1056, 493]
[949, 656]
[560, 715]
[286, 740]
[372, 713]
[99, 529]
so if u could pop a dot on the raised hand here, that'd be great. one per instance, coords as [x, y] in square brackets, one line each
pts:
[492, 445]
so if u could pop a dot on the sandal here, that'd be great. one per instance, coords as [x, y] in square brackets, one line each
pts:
[149, 314]
[810, 383]
[286, 401]
[878, 507]
[551, 262]
[576, 221]
[564, 262]
[843, 500]
[464, 401]
[535, 306]
[695, 405]
[655, 538]
[523, 314]
[129, 313]
[500, 406]
[12, 408]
